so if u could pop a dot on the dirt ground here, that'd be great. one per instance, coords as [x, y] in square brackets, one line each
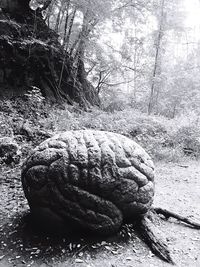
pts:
[177, 189]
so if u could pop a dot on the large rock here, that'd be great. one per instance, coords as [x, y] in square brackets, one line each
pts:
[9, 150]
[92, 179]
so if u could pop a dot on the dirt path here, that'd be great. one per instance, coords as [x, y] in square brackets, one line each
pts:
[177, 189]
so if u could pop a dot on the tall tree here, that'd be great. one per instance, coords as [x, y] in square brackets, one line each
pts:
[153, 98]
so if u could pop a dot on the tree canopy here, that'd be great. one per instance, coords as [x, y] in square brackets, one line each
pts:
[137, 50]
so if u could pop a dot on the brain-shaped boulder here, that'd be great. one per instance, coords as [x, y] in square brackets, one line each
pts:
[92, 179]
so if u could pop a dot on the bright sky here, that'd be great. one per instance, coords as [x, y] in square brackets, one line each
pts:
[193, 16]
[191, 36]
[192, 22]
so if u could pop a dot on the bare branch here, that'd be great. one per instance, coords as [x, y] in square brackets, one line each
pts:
[119, 83]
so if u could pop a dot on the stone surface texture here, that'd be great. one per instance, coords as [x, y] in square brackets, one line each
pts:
[95, 180]
[9, 150]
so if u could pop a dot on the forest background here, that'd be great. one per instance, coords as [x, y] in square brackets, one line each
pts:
[142, 58]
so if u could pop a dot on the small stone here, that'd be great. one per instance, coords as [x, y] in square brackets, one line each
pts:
[80, 254]
[107, 247]
[79, 261]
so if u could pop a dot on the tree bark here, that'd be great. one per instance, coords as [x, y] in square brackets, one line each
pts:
[67, 36]
[66, 24]
[58, 19]
[156, 61]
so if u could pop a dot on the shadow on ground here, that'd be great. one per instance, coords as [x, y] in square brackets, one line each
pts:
[24, 243]
[21, 244]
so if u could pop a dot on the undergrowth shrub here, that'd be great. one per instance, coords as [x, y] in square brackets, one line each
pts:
[162, 138]
[32, 120]
[186, 134]
[20, 119]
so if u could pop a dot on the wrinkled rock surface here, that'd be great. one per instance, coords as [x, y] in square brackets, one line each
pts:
[9, 150]
[92, 179]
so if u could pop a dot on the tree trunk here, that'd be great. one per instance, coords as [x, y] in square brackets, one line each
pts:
[135, 65]
[58, 19]
[67, 37]
[156, 61]
[87, 26]
[66, 24]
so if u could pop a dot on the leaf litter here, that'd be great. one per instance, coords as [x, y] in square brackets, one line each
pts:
[19, 244]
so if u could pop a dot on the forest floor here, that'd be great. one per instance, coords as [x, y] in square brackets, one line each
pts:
[177, 189]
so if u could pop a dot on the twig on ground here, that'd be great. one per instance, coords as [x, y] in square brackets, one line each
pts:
[167, 214]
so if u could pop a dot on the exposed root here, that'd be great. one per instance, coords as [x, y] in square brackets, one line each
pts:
[167, 214]
[146, 229]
